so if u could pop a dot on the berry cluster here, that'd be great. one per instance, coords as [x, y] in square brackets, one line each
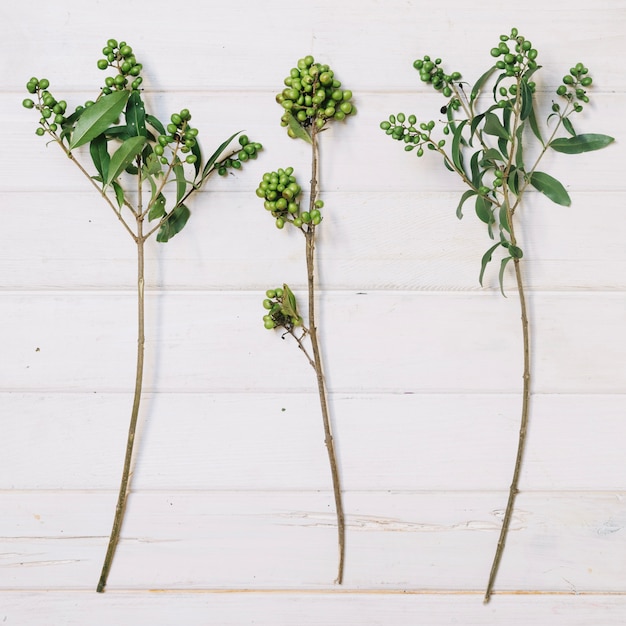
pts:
[401, 128]
[313, 95]
[180, 133]
[572, 87]
[517, 62]
[281, 193]
[249, 150]
[120, 57]
[52, 111]
[431, 72]
[280, 305]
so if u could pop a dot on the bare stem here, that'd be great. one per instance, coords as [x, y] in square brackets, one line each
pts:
[513, 490]
[317, 359]
[126, 473]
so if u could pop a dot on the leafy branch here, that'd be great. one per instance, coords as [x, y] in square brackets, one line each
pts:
[141, 156]
[487, 152]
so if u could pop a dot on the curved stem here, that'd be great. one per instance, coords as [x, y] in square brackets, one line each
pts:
[317, 359]
[513, 490]
[126, 473]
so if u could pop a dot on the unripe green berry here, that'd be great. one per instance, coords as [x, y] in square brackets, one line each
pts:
[103, 64]
[28, 103]
[44, 83]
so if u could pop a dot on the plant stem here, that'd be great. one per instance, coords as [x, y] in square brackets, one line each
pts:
[317, 358]
[513, 490]
[126, 473]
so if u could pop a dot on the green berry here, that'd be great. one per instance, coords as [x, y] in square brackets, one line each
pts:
[103, 64]
[28, 103]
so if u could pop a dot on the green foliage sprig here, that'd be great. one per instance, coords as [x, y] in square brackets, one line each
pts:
[487, 150]
[311, 99]
[145, 170]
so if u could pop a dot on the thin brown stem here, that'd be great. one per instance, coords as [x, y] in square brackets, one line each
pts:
[126, 473]
[317, 358]
[521, 444]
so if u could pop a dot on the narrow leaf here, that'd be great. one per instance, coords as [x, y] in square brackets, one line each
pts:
[155, 123]
[173, 223]
[181, 183]
[503, 265]
[457, 155]
[209, 164]
[298, 130]
[119, 193]
[124, 156]
[504, 218]
[464, 197]
[551, 187]
[100, 155]
[532, 120]
[581, 143]
[567, 124]
[485, 260]
[136, 115]
[494, 127]
[157, 210]
[98, 117]
[484, 210]
[526, 96]
[480, 82]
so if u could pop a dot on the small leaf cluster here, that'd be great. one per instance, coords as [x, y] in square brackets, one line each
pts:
[488, 148]
[141, 145]
[281, 194]
[282, 309]
[312, 97]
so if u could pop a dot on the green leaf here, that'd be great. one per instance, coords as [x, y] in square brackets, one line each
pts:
[136, 115]
[298, 130]
[119, 193]
[503, 265]
[475, 122]
[504, 218]
[464, 197]
[156, 124]
[532, 120]
[98, 117]
[474, 166]
[290, 307]
[551, 187]
[152, 165]
[124, 156]
[519, 152]
[581, 143]
[173, 223]
[491, 154]
[209, 164]
[485, 260]
[100, 155]
[181, 183]
[494, 127]
[484, 210]
[457, 155]
[157, 210]
[526, 96]
[568, 126]
[480, 82]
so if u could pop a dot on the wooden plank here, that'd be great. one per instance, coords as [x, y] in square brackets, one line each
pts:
[252, 441]
[215, 58]
[345, 165]
[421, 541]
[158, 608]
[372, 240]
[215, 341]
